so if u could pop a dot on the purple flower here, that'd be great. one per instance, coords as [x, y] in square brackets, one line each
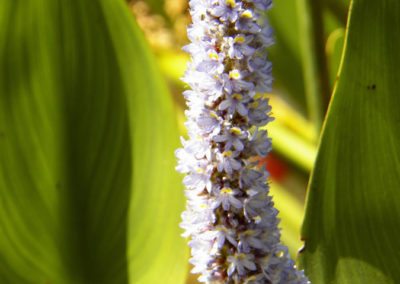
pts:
[234, 82]
[219, 236]
[241, 263]
[209, 122]
[258, 112]
[226, 10]
[250, 239]
[232, 138]
[253, 206]
[227, 162]
[225, 197]
[238, 47]
[261, 4]
[230, 216]
[260, 143]
[212, 62]
[235, 103]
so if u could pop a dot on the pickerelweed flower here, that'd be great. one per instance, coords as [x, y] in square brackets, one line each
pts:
[230, 216]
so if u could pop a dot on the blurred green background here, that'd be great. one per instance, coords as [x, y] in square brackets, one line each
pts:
[91, 110]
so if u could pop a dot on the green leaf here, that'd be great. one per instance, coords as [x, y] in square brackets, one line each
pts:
[285, 53]
[88, 190]
[315, 72]
[334, 50]
[352, 218]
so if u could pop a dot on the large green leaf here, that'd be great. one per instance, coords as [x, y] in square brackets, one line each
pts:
[88, 191]
[351, 230]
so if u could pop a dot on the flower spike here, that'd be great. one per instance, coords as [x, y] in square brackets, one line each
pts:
[230, 217]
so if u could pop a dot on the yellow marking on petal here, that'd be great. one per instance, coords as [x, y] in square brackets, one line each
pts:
[239, 39]
[266, 258]
[213, 55]
[241, 256]
[231, 3]
[249, 233]
[251, 278]
[234, 74]
[254, 104]
[200, 170]
[235, 130]
[203, 206]
[226, 190]
[257, 219]
[237, 97]
[280, 253]
[228, 153]
[258, 96]
[222, 229]
[247, 14]
[214, 115]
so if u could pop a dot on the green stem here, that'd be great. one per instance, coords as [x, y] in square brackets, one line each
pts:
[314, 61]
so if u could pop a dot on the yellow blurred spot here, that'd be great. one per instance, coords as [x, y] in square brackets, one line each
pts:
[257, 219]
[254, 104]
[234, 74]
[250, 279]
[174, 8]
[239, 39]
[249, 233]
[258, 96]
[222, 229]
[213, 55]
[226, 190]
[213, 115]
[247, 14]
[235, 130]
[228, 153]
[231, 3]
[203, 206]
[280, 254]
[240, 256]
[153, 26]
[237, 97]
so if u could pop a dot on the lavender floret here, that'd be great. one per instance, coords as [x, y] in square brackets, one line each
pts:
[230, 216]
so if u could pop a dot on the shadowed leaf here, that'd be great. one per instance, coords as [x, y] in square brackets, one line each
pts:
[352, 219]
[88, 190]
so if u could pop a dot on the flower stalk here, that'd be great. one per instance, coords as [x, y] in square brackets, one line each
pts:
[230, 216]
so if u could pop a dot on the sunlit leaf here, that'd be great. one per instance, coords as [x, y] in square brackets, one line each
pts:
[351, 229]
[88, 190]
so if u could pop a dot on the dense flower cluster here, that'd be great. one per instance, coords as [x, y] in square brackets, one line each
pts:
[230, 216]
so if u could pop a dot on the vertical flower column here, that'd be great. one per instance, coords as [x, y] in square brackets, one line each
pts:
[230, 217]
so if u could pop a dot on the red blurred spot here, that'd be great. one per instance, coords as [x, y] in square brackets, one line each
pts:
[275, 166]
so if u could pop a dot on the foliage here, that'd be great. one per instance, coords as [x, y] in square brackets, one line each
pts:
[88, 190]
[351, 227]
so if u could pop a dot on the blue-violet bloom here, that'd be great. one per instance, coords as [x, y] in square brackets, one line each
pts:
[230, 217]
